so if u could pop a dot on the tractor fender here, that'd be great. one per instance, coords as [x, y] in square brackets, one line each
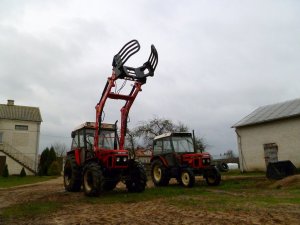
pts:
[77, 156]
[162, 159]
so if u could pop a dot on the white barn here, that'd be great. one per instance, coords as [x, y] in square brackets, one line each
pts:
[19, 137]
[269, 134]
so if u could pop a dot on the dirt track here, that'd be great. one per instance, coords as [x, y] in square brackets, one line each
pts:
[158, 211]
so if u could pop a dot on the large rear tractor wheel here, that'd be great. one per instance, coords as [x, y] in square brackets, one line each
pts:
[187, 178]
[137, 178]
[72, 175]
[159, 174]
[92, 179]
[212, 176]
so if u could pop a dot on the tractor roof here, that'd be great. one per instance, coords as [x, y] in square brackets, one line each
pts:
[92, 125]
[176, 134]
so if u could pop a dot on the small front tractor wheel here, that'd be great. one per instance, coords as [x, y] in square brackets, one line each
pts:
[137, 178]
[159, 173]
[72, 175]
[92, 179]
[212, 176]
[187, 178]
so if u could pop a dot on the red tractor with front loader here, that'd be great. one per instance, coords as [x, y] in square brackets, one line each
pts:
[174, 156]
[97, 159]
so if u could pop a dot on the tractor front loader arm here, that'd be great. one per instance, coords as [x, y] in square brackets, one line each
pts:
[120, 71]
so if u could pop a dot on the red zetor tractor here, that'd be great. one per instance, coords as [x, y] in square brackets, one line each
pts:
[97, 159]
[174, 157]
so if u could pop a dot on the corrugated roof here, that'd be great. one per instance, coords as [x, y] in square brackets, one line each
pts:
[17, 112]
[271, 112]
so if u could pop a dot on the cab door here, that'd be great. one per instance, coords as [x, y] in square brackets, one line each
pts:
[168, 152]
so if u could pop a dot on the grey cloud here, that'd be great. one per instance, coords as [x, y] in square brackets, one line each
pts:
[218, 61]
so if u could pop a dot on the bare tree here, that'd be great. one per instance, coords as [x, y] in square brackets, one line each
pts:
[229, 154]
[60, 149]
[200, 144]
[147, 130]
[130, 142]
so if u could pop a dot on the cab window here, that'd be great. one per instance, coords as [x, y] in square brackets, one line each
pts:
[157, 148]
[75, 141]
[81, 139]
[107, 139]
[167, 145]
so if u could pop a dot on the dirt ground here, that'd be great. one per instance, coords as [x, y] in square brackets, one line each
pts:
[157, 211]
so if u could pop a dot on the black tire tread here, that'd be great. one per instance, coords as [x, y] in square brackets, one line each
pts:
[137, 179]
[98, 180]
[216, 175]
[76, 177]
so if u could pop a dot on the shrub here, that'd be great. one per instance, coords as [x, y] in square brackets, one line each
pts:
[5, 172]
[54, 169]
[47, 158]
[42, 171]
[23, 173]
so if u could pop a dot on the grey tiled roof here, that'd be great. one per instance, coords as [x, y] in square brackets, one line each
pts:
[271, 112]
[16, 112]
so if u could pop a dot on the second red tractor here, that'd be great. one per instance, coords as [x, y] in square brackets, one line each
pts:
[174, 156]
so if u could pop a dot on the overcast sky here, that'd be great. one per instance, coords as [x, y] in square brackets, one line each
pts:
[218, 60]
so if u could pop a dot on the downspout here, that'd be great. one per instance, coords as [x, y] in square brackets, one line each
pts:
[242, 159]
[37, 147]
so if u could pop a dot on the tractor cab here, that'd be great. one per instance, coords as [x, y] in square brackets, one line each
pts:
[178, 149]
[83, 141]
[83, 136]
[173, 142]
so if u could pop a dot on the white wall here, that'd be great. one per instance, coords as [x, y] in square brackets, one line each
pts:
[25, 141]
[285, 133]
[14, 168]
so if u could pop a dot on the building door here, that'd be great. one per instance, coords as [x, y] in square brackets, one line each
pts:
[271, 153]
[2, 163]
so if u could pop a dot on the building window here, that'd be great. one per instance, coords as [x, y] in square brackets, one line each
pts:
[1, 137]
[21, 127]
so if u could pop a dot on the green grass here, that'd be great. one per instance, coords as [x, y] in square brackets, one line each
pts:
[30, 209]
[245, 174]
[147, 195]
[12, 181]
[237, 194]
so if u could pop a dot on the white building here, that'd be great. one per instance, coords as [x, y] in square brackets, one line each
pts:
[269, 134]
[19, 137]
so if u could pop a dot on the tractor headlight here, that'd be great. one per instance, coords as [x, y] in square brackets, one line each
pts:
[206, 161]
[118, 159]
[125, 159]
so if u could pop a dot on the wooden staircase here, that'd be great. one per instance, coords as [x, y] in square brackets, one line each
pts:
[18, 156]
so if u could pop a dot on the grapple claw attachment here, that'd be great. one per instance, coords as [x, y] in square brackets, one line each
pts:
[137, 74]
[125, 53]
